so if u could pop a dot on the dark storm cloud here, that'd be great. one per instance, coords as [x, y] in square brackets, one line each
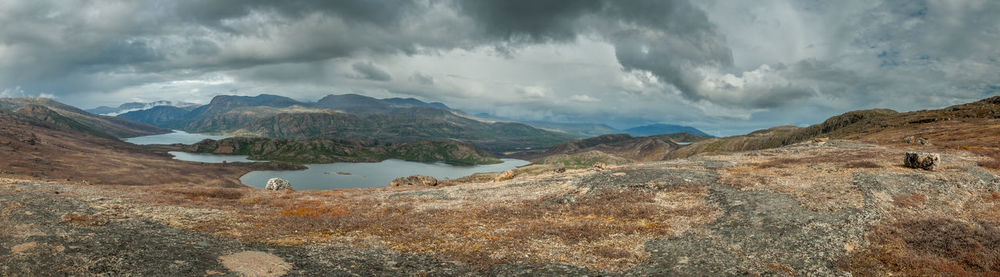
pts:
[369, 71]
[727, 59]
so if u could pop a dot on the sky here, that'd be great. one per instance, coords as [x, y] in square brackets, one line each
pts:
[724, 66]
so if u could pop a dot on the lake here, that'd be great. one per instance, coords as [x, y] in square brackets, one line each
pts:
[208, 158]
[328, 176]
[171, 138]
[365, 175]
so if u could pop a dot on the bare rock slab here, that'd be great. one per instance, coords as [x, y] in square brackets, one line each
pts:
[926, 161]
[255, 263]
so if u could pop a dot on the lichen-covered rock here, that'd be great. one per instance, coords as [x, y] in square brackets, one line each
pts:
[415, 180]
[278, 184]
[927, 161]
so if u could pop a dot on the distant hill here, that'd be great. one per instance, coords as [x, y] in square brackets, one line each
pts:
[651, 148]
[581, 130]
[363, 105]
[662, 129]
[114, 126]
[224, 103]
[166, 116]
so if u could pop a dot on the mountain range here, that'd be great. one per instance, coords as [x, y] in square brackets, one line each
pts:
[348, 116]
[587, 130]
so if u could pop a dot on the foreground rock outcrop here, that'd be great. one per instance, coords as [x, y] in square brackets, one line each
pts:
[926, 161]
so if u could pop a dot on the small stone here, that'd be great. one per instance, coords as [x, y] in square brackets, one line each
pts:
[618, 174]
[278, 184]
[926, 161]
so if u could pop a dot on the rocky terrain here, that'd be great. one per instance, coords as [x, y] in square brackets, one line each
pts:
[891, 194]
[817, 208]
[332, 150]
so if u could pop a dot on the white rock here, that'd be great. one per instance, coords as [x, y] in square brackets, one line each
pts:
[277, 184]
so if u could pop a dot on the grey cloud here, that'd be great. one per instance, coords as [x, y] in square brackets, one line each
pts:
[369, 71]
[900, 54]
[422, 79]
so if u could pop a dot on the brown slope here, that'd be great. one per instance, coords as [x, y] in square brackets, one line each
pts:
[33, 147]
[649, 148]
[973, 125]
[108, 124]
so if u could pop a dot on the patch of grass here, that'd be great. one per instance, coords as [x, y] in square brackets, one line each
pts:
[603, 229]
[313, 209]
[862, 164]
[197, 194]
[939, 247]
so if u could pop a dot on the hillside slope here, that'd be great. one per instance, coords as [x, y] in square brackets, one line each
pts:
[37, 142]
[117, 127]
[967, 125]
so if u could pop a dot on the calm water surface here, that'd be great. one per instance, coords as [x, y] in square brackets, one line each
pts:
[208, 158]
[171, 138]
[365, 175]
[327, 176]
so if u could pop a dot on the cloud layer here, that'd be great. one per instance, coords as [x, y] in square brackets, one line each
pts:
[724, 66]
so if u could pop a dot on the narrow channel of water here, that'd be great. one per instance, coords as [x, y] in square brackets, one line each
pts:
[327, 176]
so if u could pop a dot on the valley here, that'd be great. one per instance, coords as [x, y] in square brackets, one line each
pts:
[499, 138]
[613, 204]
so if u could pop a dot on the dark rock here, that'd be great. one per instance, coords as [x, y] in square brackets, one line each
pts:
[927, 161]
